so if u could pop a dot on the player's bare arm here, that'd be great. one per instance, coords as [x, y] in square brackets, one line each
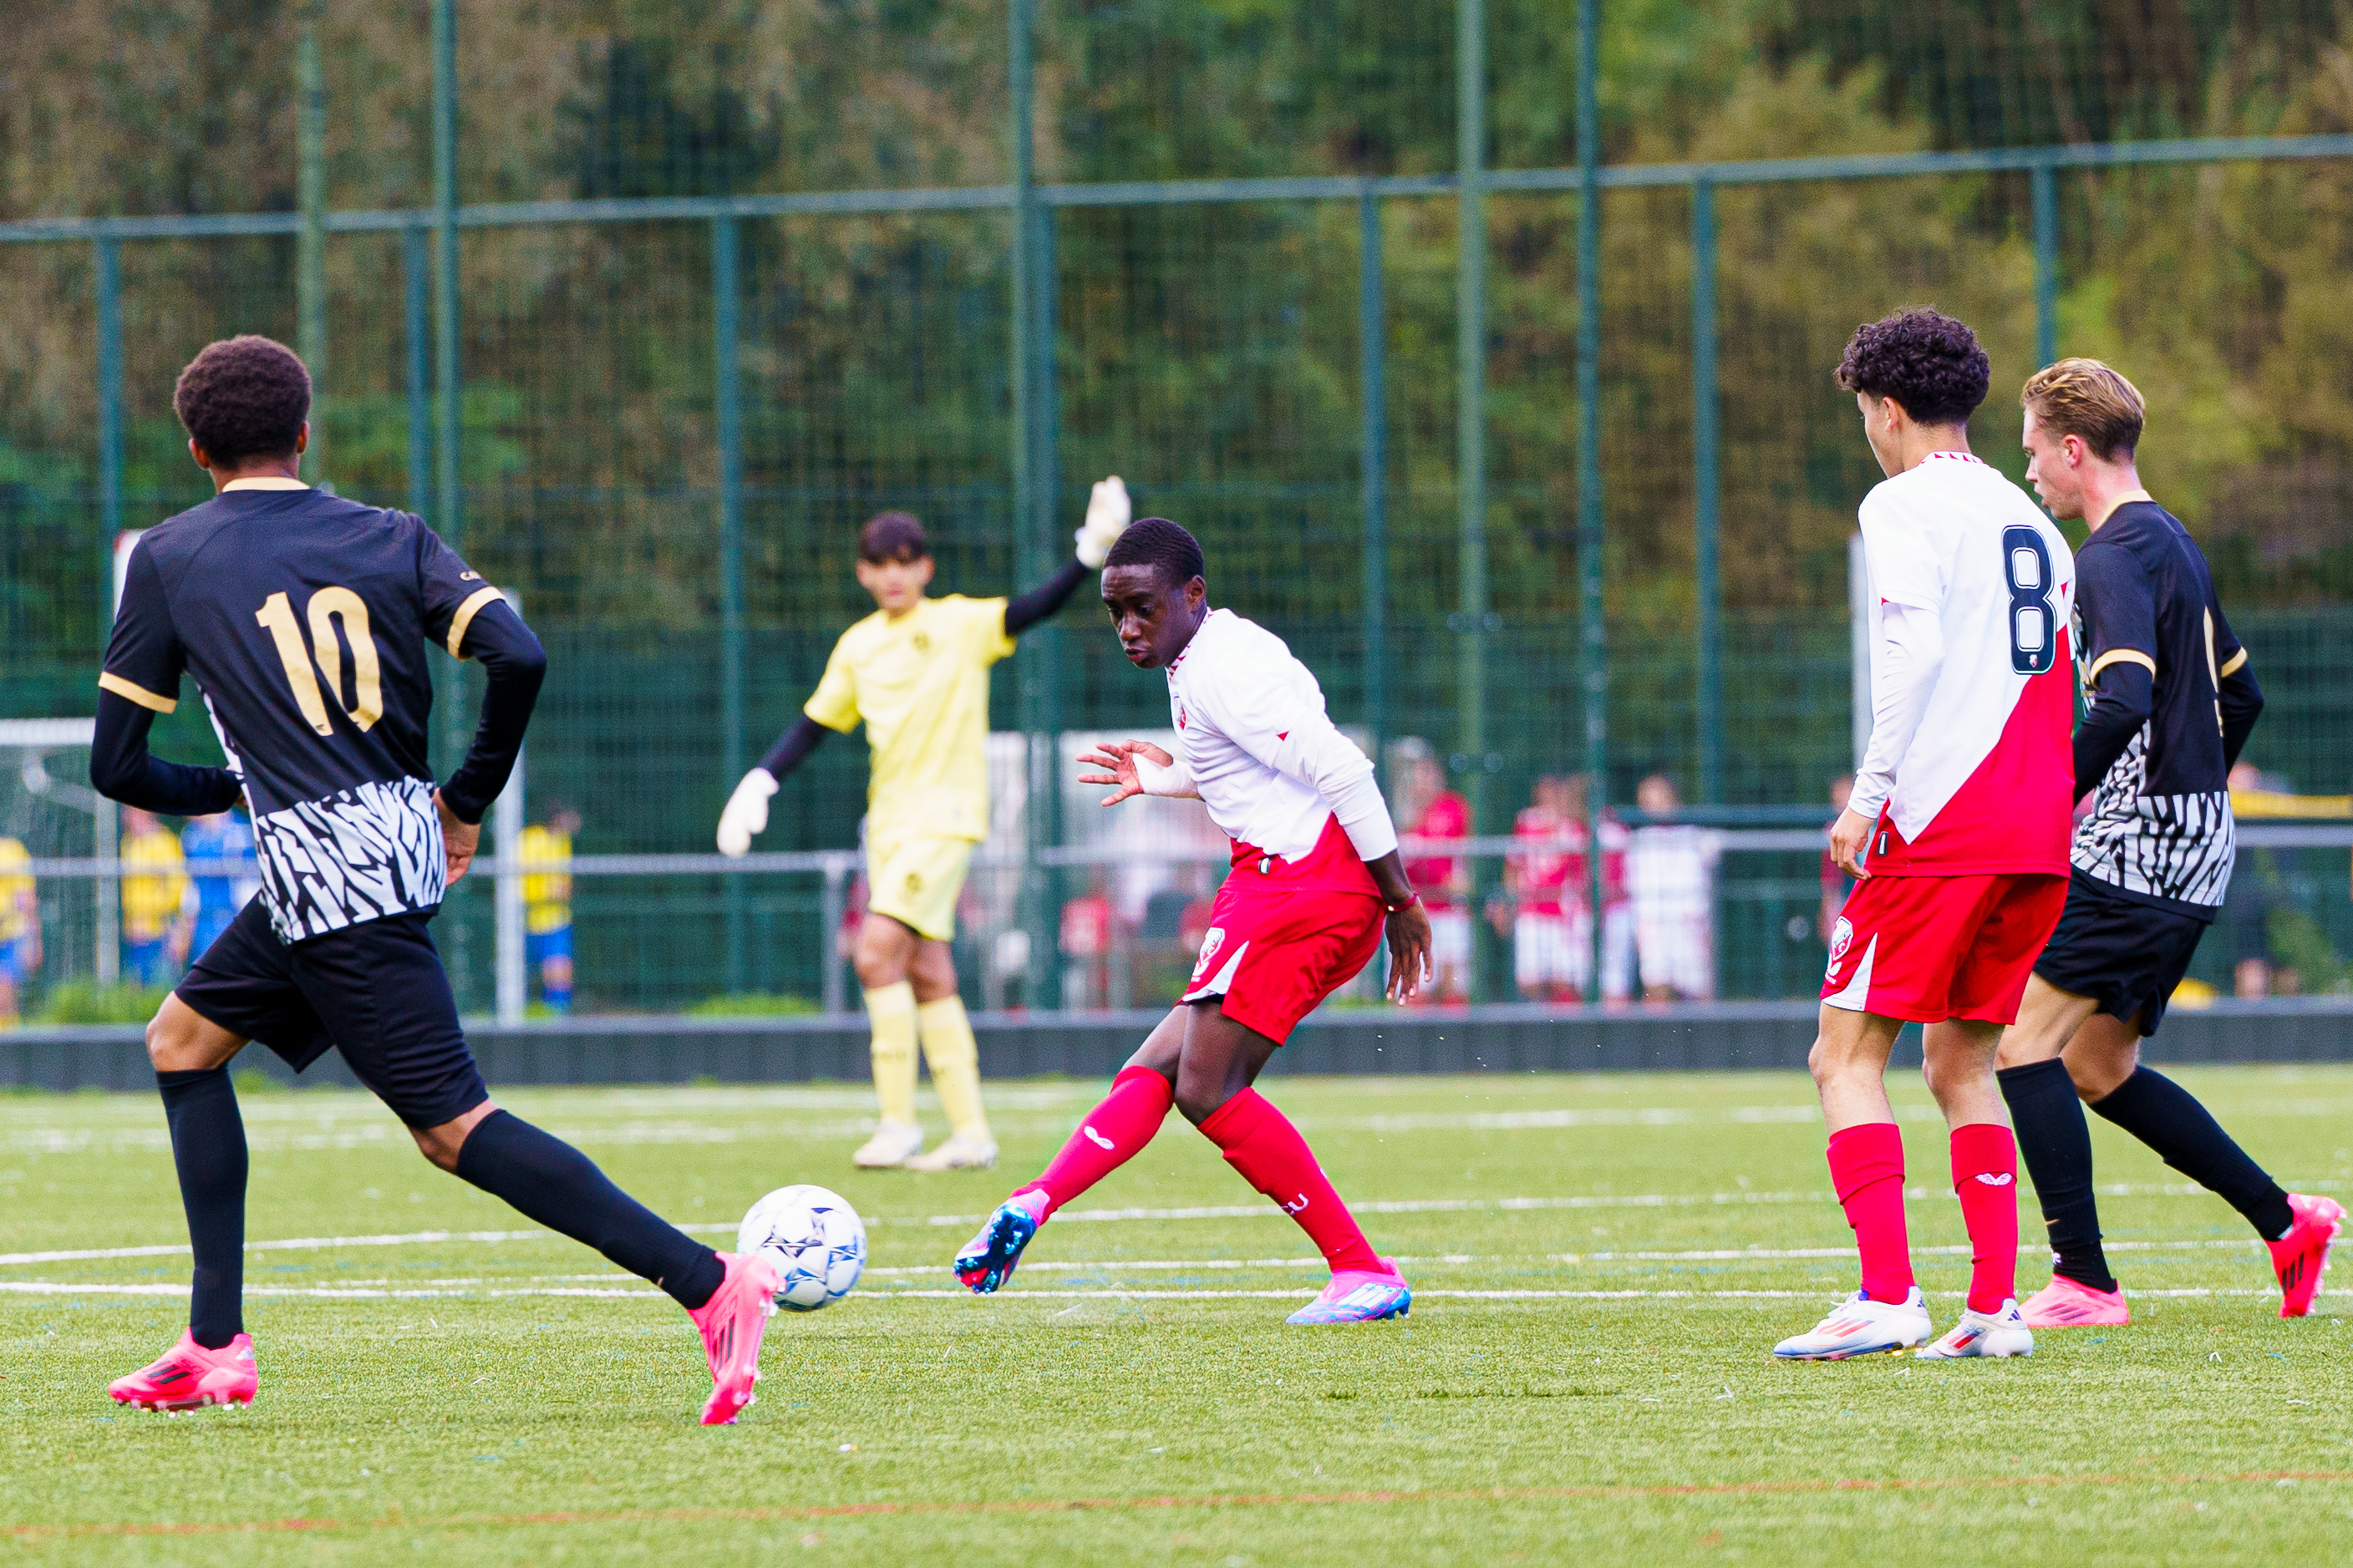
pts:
[1406, 930]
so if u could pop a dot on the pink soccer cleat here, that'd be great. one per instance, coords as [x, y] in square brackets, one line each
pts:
[2301, 1257]
[2067, 1303]
[190, 1377]
[1358, 1296]
[730, 1323]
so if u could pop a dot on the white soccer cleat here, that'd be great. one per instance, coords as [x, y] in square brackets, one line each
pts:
[2000, 1332]
[962, 1151]
[893, 1145]
[1861, 1326]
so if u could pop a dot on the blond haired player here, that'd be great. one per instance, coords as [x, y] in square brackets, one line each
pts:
[916, 672]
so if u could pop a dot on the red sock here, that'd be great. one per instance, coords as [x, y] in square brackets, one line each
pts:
[1985, 1174]
[1262, 1145]
[1111, 1135]
[1867, 1171]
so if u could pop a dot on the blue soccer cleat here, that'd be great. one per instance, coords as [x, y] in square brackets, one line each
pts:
[1358, 1296]
[989, 1258]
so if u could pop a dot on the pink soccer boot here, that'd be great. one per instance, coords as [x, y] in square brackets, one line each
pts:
[731, 1324]
[2301, 1257]
[189, 1376]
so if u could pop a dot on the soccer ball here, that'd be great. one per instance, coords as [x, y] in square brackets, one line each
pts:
[815, 1240]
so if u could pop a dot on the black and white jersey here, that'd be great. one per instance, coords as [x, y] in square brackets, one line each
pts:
[2160, 830]
[304, 619]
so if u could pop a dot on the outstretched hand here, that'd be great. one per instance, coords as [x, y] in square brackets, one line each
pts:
[1117, 759]
[459, 839]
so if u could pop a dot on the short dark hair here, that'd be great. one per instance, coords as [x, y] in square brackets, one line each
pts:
[1157, 542]
[245, 396]
[892, 536]
[1922, 358]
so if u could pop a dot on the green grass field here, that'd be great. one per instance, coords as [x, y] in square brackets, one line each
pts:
[1601, 1265]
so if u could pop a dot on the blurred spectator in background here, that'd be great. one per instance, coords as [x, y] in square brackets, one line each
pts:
[20, 929]
[545, 851]
[222, 873]
[1168, 938]
[1432, 812]
[1086, 940]
[1836, 884]
[155, 929]
[1546, 962]
[1671, 872]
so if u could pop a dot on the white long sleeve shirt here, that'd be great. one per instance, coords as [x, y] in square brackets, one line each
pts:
[1258, 749]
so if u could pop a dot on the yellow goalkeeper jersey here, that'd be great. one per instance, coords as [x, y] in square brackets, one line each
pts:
[546, 894]
[921, 684]
[15, 889]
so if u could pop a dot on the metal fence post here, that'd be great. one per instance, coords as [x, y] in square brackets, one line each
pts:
[1595, 651]
[726, 292]
[1706, 485]
[2043, 183]
[1472, 621]
[510, 983]
[414, 264]
[449, 516]
[108, 259]
[1372, 347]
[310, 244]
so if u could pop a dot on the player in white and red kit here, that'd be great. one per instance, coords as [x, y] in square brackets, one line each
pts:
[1957, 831]
[1438, 815]
[1316, 879]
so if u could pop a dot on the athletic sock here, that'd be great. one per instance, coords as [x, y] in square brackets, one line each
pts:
[2169, 1119]
[2055, 1142]
[955, 1058]
[562, 1188]
[208, 1152]
[1109, 1136]
[1261, 1143]
[1985, 1178]
[1867, 1174]
[891, 1011]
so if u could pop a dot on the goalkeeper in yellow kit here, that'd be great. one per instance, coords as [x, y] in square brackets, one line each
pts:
[916, 671]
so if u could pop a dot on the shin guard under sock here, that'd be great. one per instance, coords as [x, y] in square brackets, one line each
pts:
[1985, 1178]
[1867, 1174]
[2169, 1119]
[1261, 1143]
[208, 1152]
[2055, 1142]
[1108, 1137]
[562, 1188]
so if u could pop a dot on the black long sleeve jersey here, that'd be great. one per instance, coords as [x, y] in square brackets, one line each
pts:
[304, 620]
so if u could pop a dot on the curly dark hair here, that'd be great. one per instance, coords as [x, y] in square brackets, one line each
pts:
[245, 396]
[1922, 358]
[1166, 547]
[892, 536]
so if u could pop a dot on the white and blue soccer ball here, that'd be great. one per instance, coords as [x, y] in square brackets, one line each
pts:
[813, 1238]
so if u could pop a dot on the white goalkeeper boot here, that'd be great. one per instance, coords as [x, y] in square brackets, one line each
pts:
[893, 1145]
[962, 1151]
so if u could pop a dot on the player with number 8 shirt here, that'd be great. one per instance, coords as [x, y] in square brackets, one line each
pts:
[1956, 830]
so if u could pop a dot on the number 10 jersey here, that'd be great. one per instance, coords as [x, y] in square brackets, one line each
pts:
[304, 619]
[1986, 783]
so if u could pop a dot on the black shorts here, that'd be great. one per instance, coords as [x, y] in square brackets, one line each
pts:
[2125, 955]
[376, 991]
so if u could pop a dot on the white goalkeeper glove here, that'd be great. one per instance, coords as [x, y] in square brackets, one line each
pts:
[1108, 513]
[746, 813]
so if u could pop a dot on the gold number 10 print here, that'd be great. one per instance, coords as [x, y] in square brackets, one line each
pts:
[277, 613]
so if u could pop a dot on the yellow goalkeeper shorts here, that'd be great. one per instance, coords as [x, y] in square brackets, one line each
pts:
[915, 881]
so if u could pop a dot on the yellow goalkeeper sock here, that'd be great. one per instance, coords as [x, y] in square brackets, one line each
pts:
[955, 1056]
[891, 1011]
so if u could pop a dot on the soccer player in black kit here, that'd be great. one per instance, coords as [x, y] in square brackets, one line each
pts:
[2169, 702]
[304, 620]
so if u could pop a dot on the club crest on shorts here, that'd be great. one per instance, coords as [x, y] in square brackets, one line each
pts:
[914, 883]
[1208, 951]
[1841, 937]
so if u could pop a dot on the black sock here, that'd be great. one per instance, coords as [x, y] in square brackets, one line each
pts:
[2056, 1145]
[2169, 1119]
[208, 1152]
[562, 1188]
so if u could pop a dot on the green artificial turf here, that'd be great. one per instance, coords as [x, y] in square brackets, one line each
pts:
[1600, 1391]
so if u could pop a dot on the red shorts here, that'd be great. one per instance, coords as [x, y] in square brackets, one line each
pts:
[1285, 934]
[1931, 948]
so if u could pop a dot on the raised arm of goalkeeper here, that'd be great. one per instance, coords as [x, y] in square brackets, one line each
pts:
[1108, 514]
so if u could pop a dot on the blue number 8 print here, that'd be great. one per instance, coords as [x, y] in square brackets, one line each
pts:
[2033, 622]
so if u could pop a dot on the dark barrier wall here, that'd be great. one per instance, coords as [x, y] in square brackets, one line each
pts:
[1729, 1035]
